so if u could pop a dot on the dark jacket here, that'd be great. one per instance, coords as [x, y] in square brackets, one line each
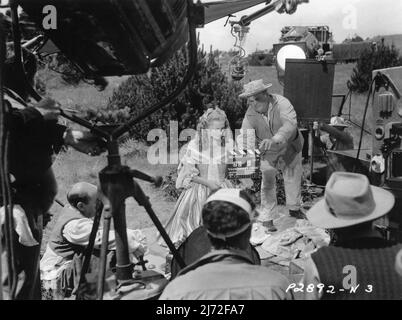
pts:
[371, 260]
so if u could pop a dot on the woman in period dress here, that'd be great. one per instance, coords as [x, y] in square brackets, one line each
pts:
[201, 170]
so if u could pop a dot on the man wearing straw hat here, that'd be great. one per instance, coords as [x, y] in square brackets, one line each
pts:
[274, 121]
[360, 257]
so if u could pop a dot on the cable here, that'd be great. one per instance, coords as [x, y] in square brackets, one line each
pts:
[363, 122]
[4, 175]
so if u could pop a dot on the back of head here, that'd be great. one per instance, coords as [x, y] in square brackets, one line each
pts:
[81, 193]
[227, 217]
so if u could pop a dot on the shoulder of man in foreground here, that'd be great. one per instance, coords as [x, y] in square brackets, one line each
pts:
[228, 281]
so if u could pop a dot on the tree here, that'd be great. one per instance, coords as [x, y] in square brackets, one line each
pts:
[355, 38]
[379, 57]
[138, 92]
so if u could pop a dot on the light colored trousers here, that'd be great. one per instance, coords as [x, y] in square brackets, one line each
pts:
[292, 175]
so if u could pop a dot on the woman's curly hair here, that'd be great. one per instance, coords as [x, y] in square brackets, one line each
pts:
[211, 114]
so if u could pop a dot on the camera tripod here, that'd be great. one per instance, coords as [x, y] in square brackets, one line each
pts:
[116, 184]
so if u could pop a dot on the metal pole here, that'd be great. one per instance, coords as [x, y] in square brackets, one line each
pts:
[143, 201]
[311, 150]
[103, 254]
[90, 247]
[1, 269]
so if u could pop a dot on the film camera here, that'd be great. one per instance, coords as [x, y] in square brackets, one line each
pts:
[386, 160]
[387, 117]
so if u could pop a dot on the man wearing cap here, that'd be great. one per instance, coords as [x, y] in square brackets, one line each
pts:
[227, 272]
[336, 138]
[360, 256]
[274, 121]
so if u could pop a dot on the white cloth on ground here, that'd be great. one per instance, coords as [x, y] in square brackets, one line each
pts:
[297, 242]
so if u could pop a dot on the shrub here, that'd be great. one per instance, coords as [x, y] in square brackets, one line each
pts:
[383, 56]
[259, 59]
[139, 92]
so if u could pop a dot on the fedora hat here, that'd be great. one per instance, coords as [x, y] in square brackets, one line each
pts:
[349, 200]
[338, 122]
[254, 87]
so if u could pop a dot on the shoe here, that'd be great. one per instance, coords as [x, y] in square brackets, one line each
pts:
[298, 214]
[269, 226]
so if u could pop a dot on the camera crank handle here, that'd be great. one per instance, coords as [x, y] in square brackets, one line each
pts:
[157, 181]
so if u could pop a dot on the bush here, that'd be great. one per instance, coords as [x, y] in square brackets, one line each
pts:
[259, 59]
[139, 92]
[384, 56]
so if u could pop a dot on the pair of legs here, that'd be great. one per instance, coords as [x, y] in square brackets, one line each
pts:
[35, 201]
[292, 175]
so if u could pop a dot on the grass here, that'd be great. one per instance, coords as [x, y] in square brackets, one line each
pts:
[71, 167]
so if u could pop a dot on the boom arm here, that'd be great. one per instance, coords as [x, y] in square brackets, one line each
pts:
[281, 6]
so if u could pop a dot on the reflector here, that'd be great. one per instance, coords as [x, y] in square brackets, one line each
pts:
[290, 51]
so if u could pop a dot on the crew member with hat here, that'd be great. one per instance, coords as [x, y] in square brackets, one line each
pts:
[274, 121]
[360, 255]
[227, 272]
[335, 137]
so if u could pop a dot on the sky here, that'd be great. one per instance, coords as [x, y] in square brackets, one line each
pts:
[367, 18]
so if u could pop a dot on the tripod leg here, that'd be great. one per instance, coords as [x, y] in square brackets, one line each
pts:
[143, 201]
[124, 268]
[104, 248]
[311, 151]
[89, 249]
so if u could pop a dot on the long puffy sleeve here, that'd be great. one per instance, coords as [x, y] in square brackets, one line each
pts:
[187, 168]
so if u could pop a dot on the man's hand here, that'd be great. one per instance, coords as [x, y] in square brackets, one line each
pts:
[49, 108]
[84, 141]
[266, 144]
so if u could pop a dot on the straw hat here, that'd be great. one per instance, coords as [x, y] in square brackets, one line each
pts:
[254, 87]
[349, 200]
